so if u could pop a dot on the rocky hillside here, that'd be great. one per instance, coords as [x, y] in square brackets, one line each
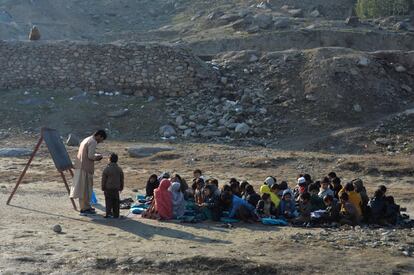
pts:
[292, 73]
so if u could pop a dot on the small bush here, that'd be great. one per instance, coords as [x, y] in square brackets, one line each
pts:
[382, 8]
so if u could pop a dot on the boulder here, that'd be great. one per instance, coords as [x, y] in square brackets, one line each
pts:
[406, 88]
[228, 18]
[357, 108]
[363, 61]
[72, 140]
[146, 151]
[400, 69]
[264, 5]
[34, 34]
[383, 141]
[315, 13]
[262, 20]
[179, 120]
[296, 13]
[14, 152]
[214, 15]
[401, 26]
[281, 22]
[57, 228]
[242, 128]
[167, 131]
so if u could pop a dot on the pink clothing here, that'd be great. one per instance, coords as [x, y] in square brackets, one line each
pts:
[163, 200]
[86, 155]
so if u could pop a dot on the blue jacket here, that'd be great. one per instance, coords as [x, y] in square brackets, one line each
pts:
[236, 204]
[287, 206]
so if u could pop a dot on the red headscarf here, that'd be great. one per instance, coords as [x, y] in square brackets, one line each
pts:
[163, 200]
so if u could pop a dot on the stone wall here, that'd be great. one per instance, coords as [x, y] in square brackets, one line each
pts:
[133, 68]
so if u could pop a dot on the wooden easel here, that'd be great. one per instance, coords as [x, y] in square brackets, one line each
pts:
[60, 170]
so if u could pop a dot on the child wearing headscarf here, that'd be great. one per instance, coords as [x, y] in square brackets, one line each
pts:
[163, 200]
[287, 206]
[178, 201]
[264, 189]
[265, 207]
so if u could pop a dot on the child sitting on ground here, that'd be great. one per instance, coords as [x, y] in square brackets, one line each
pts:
[353, 196]
[178, 201]
[348, 214]
[332, 210]
[335, 184]
[239, 209]
[392, 212]
[265, 207]
[198, 187]
[112, 184]
[287, 206]
[304, 209]
[325, 190]
[251, 196]
[152, 184]
[211, 206]
[316, 202]
[377, 208]
[235, 188]
[264, 189]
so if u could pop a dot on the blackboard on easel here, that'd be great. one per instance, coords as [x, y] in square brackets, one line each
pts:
[59, 155]
[57, 149]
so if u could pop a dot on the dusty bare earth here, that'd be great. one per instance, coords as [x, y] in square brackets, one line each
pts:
[94, 245]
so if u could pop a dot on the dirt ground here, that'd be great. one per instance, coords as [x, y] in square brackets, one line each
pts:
[94, 245]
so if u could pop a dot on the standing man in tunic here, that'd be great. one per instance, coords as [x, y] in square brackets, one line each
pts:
[84, 170]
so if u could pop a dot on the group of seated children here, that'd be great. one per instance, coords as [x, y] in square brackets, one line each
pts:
[308, 203]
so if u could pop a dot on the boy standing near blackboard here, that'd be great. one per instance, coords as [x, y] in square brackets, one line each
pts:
[84, 170]
[112, 184]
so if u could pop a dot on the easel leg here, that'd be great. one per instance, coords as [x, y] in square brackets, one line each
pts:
[25, 169]
[67, 188]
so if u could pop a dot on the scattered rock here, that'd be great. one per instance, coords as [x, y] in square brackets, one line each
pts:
[253, 29]
[57, 229]
[223, 80]
[401, 26]
[72, 140]
[282, 23]
[253, 58]
[34, 34]
[383, 141]
[352, 21]
[315, 13]
[167, 131]
[242, 128]
[296, 13]
[264, 6]
[357, 108]
[214, 15]
[363, 61]
[228, 18]
[262, 20]
[406, 88]
[118, 113]
[311, 97]
[146, 151]
[14, 152]
[400, 69]
[179, 120]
